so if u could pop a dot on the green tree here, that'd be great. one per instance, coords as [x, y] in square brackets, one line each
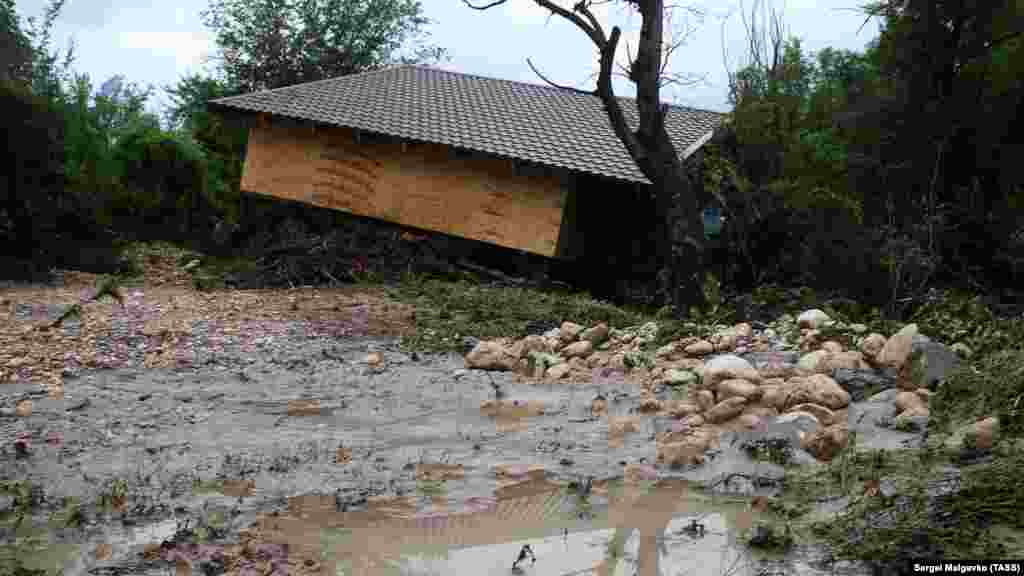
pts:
[272, 43]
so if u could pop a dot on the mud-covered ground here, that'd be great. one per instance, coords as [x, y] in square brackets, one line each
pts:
[265, 437]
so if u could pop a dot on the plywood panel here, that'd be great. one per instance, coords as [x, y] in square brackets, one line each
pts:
[422, 186]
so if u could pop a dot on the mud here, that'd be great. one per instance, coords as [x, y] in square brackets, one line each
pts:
[343, 455]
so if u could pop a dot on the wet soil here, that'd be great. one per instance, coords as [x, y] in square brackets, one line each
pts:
[283, 442]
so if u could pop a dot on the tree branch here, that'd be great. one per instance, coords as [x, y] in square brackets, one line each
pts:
[485, 6]
[544, 78]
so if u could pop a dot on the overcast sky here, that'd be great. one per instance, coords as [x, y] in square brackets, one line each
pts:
[156, 42]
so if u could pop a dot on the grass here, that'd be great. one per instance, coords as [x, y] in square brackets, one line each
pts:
[448, 311]
[992, 386]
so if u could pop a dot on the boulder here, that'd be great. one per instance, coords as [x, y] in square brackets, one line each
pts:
[724, 341]
[908, 401]
[582, 349]
[728, 366]
[558, 371]
[833, 347]
[859, 381]
[850, 360]
[534, 343]
[743, 330]
[738, 387]
[726, 410]
[812, 319]
[677, 377]
[817, 361]
[569, 331]
[680, 408]
[826, 443]
[491, 355]
[596, 335]
[699, 348]
[825, 416]
[817, 389]
[897, 348]
[749, 421]
[872, 345]
[705, 400]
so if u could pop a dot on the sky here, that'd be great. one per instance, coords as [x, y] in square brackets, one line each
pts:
[156, 42]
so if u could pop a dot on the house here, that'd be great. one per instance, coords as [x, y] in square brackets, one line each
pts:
[528, 167]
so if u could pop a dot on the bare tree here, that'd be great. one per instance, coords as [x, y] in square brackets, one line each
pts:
[680, 225]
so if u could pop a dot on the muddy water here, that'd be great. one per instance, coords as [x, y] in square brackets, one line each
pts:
[353, 467]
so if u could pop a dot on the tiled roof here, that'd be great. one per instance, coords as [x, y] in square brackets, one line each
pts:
[542, 124]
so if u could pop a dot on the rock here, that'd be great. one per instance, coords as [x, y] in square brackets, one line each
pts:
[916, 420]
[817, 389]
[468, 343]
[700, 348]
[905, 401]
[932, 362]
[681, 409]
[924, 393]
[705, 400]
[618, 362]
[666, 350]
[813, 319]
[859, 382]
[897, 348]
[693, 421]
[558, 371]
[985, 433]
[726, 410]
[374, 358]
[822, 414]
[738, 387]
[743, 330]
[749, 421]
[569, 331]
[851, 360]
[832, 347]
[677, 377]
[872, 345]
[598, 406]
[534, 343]
[961, 350]
[649, 405]
[807, 422]
[826, 443]
[680, 454]
[596, 360]
[581, 349]
[622, 425]
[23, 408]
[774, 396]
[816, 361]
[724, 341]
[596, 335]
[728, 366]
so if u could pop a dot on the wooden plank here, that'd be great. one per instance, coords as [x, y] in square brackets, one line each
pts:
[423, 186]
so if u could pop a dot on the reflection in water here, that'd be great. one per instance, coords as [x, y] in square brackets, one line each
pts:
[635, 527]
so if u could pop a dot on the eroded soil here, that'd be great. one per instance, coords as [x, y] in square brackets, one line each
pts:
[279, 432]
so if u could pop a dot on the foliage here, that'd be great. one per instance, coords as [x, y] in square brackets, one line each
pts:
[273, 43]
[446, 312]
[992, 387]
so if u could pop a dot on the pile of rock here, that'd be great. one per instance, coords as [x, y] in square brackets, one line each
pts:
[739, 378]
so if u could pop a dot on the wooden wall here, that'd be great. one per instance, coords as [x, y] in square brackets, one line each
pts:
[419, 185]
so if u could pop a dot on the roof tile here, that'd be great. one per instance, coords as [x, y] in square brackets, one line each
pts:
[542, 124]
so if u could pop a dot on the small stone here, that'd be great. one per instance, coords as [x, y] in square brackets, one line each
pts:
[569, 331]
[726, 410]
[700, 348]
[558, 371]
[581, 349]
[595, 334]
[677, 377]
[812, 319]
[705, 400]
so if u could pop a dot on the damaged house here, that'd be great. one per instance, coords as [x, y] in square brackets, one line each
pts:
[529, 168]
